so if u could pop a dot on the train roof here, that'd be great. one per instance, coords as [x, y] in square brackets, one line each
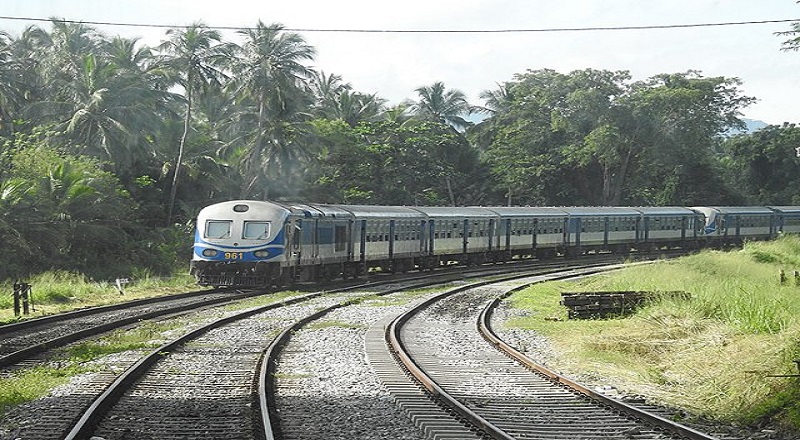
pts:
[735, 209]
[369, 211]
[602, 211]
[795, 210]
[665, 210]
[241, 206]
[316, 210]
[531, 211]
[455, 212]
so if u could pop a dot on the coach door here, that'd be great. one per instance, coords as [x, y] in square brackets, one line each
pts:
[363, 239]
[492, 234]
[423, 236]
[293, 231]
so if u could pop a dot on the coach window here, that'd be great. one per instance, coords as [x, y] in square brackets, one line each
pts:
[256, 230]
[339, 238]
[218, 229]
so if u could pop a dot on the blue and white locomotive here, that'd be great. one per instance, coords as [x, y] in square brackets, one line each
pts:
[257, 243]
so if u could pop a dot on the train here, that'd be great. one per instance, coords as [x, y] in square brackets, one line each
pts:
[252, 244]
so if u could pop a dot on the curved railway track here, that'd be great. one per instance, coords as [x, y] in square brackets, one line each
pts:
[202, 383]
[26, 339]
[499, 397]
[304, 396]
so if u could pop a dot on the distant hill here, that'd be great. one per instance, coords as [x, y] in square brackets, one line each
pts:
[751, 126]
[754, 125]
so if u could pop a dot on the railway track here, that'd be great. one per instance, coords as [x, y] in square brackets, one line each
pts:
[26, 339]
[319, 385]
[201, 385]
[497, 397]
[198, 385]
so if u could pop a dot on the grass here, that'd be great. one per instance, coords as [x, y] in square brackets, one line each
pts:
[57, 291]
[33, 383]
[712, 354]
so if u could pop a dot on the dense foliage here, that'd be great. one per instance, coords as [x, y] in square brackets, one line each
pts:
[109, 147]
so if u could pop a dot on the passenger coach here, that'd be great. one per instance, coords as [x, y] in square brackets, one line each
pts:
[256, 243]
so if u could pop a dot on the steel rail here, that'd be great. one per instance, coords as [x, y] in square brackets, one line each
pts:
[484, 328]
[267, 414]
[49, 319]
[84, 427]
[27, 352]
[394, 340]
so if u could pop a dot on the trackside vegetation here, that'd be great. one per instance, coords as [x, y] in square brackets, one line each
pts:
[716, 354]
[33, 383]
[110, 147]
[59, 291]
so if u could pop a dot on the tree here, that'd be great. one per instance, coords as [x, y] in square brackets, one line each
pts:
[683, 117]
[12, 88]
[272, 109]
[764, 165]
[426, 163]
[195, 56]
[101, 101]
[62, 211]
[592, 137]
[792, 43]
[440, 105]
[326, 89]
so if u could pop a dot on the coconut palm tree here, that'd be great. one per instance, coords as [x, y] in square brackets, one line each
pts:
[354, 107]
[11, 86]
[270, 86]
[497, 101]
[441, 105]
[195, 56]
[104, 111]
[326, 89]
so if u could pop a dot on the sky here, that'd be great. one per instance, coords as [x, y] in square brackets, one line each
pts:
[393, 65]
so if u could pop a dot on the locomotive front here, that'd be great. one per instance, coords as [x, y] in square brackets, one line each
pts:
[239, 243]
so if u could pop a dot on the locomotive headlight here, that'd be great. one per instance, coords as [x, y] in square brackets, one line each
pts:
[210, 252]
[261, 254]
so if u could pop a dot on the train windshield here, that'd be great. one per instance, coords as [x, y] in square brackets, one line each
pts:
[256, 230]
[218, 229]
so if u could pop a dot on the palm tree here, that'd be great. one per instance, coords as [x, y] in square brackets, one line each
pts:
[327, 89]
[498, 108]
[337, 100]
[65, 49]
[441, 105]
[356, 107]
[399, 114]
[104, 111]
[21, 79]
[498, 100]
[195, 56]
[273, 103]
[11, 86]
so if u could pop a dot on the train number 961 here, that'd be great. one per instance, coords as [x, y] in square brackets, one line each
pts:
[234, 255]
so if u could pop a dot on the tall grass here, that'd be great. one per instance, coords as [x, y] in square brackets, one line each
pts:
[58, 291]
[713, 354]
